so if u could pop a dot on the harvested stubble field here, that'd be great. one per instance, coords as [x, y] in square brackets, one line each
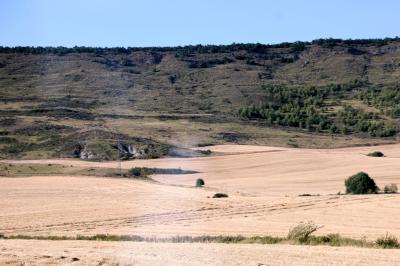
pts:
[263, 184]
[34, 252]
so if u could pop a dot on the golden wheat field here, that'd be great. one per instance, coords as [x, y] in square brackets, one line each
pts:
[263, 184]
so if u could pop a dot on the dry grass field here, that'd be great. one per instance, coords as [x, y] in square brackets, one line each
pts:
[263, 184]
[34, 252]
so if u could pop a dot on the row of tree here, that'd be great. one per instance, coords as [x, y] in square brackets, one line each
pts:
[190, 49]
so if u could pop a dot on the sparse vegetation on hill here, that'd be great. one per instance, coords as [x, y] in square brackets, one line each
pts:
[163, 95]
[319, 110]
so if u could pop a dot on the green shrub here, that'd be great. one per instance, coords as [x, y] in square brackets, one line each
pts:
[360, 183]
[200, 182]
[220, 195]
[102, 150]
[136, 171]
[392, 188]
[336, 240]
[140, 172]
[376, 154]
[387, 241]
[205, 152]
[331, 239]
[144, 171]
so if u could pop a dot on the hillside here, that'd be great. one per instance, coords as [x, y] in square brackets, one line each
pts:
[99, 103]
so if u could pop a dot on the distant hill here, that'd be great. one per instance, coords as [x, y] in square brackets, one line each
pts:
[323, 93]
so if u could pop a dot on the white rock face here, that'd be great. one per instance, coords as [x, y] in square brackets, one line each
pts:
[130, 150]
[86, 155]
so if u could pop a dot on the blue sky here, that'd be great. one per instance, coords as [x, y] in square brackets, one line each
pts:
[181, 22]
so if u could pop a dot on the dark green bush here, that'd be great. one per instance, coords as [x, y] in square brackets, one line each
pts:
[220, 195]
[143, 172]
[376, 154]
[200, 182]
[360, 183]
[388, 241]
[205, 152]
[138, 172]
[8, 122]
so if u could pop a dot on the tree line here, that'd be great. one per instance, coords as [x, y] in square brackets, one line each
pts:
[209, 49]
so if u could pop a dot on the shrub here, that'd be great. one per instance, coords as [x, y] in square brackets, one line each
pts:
[136, 171]
[302, 231]
[144, 171]
[205, 152]
[392, 188]
[360, 183]
[376, 154]
[101, 150]
[387, 241]
[200, 182]
[336, 240]
[140, 172]
[220, 195]
[308, 195]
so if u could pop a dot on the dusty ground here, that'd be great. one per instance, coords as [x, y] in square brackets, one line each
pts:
[263, 184]
[34, 252]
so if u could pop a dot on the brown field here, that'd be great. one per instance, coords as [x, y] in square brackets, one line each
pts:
[263, 184]
[34, 252]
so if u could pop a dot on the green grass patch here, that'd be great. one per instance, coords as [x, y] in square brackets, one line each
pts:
[22, 170]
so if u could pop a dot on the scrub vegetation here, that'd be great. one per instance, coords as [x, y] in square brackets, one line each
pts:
[104, 103]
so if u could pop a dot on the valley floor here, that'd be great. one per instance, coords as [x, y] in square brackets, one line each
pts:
[263, 184]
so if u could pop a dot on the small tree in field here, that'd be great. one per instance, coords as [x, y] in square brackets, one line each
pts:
[360, 183]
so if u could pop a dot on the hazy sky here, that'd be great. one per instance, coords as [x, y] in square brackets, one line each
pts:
[181, 22]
